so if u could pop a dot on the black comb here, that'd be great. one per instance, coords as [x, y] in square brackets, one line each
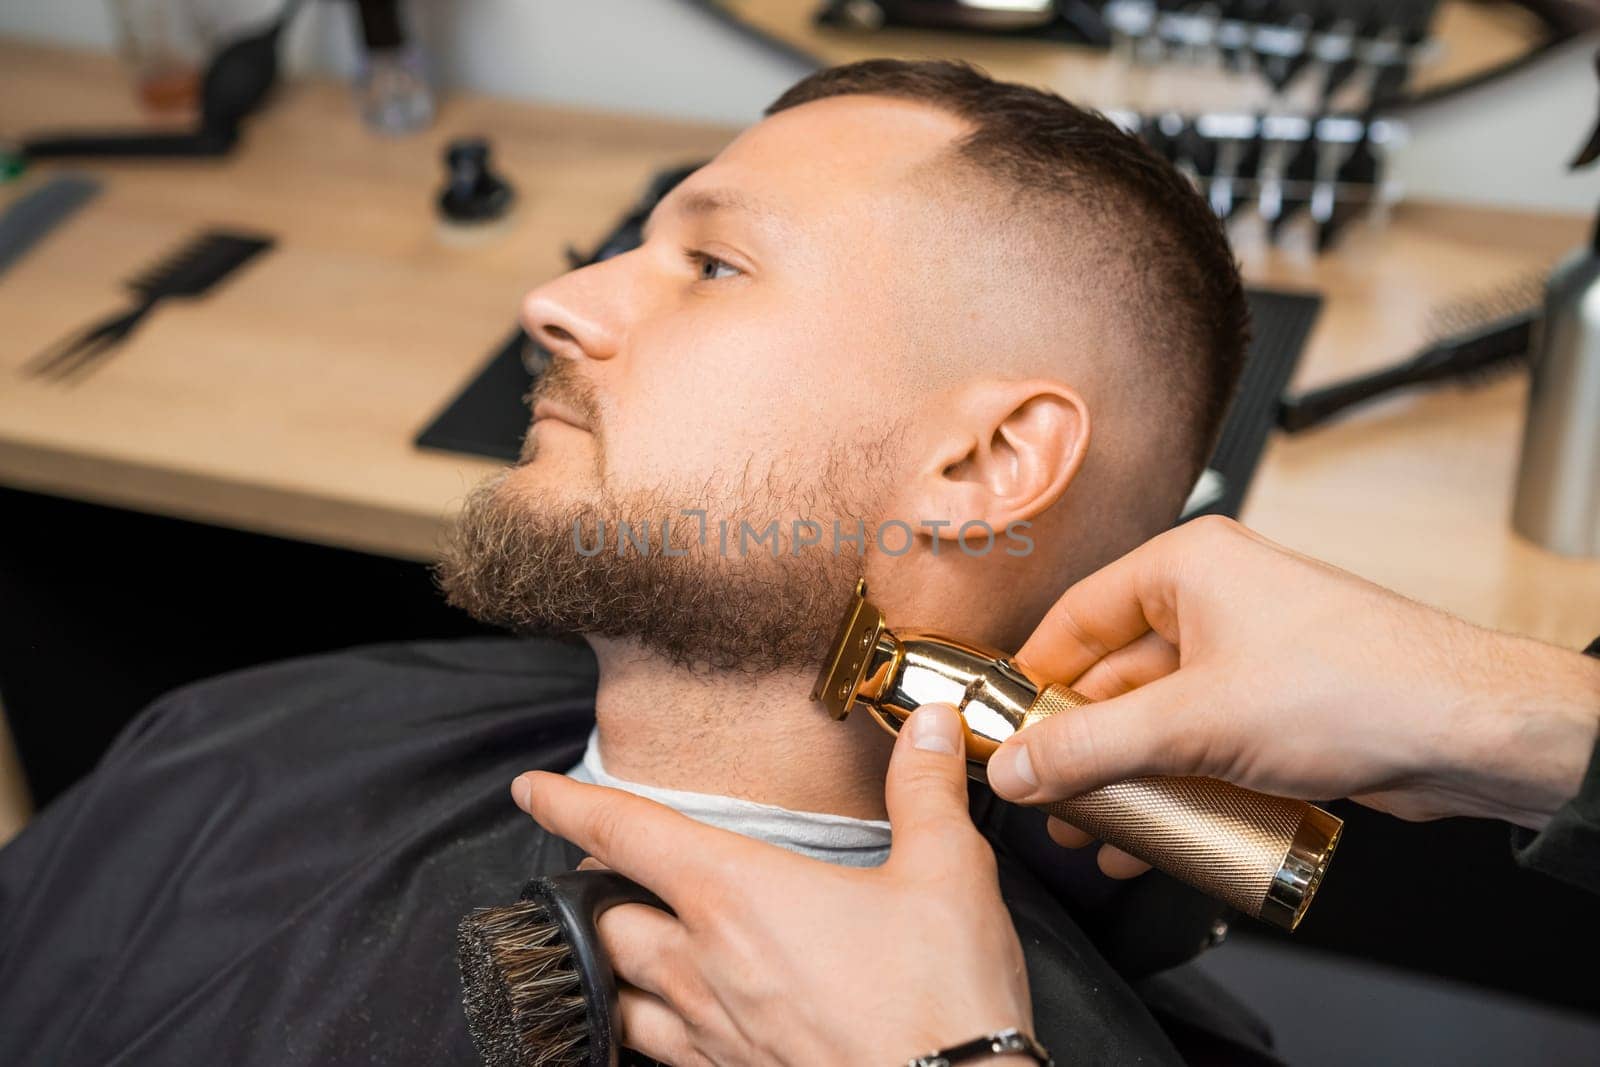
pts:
[1477, 338]
[189, 272]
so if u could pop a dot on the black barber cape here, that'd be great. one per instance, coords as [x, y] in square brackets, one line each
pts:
[268, 868]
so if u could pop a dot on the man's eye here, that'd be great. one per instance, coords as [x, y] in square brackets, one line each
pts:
[710, 268]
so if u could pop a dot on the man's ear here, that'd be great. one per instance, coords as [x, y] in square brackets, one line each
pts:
[1001, 452]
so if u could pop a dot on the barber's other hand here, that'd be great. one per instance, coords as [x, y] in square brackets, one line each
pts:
[774, 958]
[1215, 652]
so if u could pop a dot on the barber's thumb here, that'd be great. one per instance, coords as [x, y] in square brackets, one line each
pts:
[1084, 748]
[927, 783]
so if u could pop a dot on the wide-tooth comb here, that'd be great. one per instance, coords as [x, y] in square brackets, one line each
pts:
[199, 265]
[1478, 338]
[189, 272]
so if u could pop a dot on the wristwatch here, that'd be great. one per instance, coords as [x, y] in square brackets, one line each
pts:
[1009, 1042]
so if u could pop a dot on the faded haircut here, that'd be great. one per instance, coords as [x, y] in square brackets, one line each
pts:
[1184, 300]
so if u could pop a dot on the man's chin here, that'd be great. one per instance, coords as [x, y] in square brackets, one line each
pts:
[537, 556]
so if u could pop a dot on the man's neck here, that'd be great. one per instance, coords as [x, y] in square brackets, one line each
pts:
[757, 737]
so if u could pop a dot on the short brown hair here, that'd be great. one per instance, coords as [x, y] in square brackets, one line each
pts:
[1187, 303]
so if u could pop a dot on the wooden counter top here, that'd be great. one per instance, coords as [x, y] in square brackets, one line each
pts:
[288, 405]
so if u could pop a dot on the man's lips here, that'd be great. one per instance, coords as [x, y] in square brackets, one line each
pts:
[550, 409]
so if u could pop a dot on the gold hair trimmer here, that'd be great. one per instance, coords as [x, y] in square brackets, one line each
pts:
[1260, 854]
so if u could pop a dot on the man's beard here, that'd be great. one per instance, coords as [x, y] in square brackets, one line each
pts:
[514, 561]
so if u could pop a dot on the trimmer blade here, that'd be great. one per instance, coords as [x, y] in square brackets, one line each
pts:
[849, 654]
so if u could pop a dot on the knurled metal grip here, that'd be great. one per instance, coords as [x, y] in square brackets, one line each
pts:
[1263, 855]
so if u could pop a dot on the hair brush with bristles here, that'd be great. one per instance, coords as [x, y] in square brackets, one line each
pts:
[1479, 338]
[536, 983]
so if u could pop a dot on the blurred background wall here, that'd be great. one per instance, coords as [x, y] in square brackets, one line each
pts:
[1506, 143]
[660, 56]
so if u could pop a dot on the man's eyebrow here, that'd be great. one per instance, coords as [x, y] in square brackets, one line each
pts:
[702, 202]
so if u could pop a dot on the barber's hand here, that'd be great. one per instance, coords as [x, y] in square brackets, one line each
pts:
[774, 958]
[1216, 652]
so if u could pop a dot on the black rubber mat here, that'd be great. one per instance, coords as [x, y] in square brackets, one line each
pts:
[489, 417]
[1280, 323]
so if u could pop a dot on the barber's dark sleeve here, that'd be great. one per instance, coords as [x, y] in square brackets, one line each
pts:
[1568, 847]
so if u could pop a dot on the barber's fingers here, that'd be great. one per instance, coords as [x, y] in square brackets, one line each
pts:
[1202, 562]
[1108, 610]
[1112, 861]
[635, 837]
[1137, 663]
[1151, 730]
[1115, 863]
[1066, 835]
[926, 793]
[650, 1026]
[648, 949]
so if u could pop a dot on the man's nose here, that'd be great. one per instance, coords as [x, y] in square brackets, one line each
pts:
[578, 315]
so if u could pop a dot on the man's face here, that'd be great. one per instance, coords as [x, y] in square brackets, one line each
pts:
[749, 359]
[760, 325]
